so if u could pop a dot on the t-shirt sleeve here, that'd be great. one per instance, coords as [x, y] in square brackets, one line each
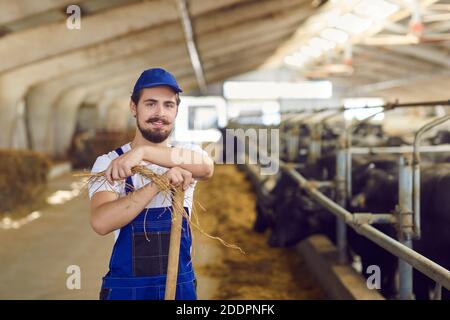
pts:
[101, 164]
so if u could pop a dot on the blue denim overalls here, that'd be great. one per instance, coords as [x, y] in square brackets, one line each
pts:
[138, 265]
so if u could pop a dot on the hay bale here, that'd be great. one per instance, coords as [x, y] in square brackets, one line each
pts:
[23, 178]
[87, 146]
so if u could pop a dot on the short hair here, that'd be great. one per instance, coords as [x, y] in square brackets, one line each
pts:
[136, 96]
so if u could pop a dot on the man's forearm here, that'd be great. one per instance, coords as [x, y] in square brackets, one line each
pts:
[118, 213]
[199, 165]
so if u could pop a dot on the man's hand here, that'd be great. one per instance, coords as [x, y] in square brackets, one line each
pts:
[120, 168]
[179, 177]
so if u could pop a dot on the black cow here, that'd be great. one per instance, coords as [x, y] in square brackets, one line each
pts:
[441, 137]
[293, 216]
[380, 195]
[297, 216]
[265, 204]
[375, 188]
[435, 225]
[286, 214]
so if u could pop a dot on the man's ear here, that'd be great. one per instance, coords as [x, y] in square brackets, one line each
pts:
[133, 108]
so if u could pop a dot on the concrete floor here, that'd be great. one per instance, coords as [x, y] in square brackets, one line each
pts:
[35, 257]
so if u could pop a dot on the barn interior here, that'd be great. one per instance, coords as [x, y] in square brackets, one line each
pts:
[328, 122]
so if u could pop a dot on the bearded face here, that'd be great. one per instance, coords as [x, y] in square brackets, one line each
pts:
[155, 113]
[155, 129]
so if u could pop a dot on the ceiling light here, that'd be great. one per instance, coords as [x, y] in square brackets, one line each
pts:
[312, 52]
[321, 44]
[352, 23]
[335, 35]
[377, 10]
[295, 60]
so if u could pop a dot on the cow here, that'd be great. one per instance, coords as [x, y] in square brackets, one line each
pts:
[375, 188]
[293, 216]
[293, 210]
[379, 194]
[441, 137]
[435, 225]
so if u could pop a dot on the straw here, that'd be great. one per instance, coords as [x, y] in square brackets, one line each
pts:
[167, 190]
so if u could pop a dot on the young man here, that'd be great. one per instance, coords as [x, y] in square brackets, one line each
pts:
[141, 219]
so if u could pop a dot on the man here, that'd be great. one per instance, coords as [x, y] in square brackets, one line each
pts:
[141, 219]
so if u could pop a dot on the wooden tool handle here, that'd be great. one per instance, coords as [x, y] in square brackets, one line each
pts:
[174, 246]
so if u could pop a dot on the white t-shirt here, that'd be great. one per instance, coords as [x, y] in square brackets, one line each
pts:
[159, 200]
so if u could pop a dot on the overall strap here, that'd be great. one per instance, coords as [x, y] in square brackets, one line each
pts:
[129, 187]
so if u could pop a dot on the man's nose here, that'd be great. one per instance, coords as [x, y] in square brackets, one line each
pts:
[159, 110]
[163, 111]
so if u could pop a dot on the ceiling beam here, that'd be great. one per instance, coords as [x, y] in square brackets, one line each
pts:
[103, 52]
[425, 53]
[392, 58]
[401, 82]
[191, 44]
[20, 9]
[249, 12]
[97, 28]
[285, 19]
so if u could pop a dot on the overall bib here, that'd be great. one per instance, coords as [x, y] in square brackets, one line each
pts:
[138, 264]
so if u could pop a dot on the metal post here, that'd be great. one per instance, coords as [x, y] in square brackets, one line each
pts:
[423, 264]
[293, 144]
[341, 228]
[405, 227]
[437, 292]
[348, 173]
[416, 200]
[315, 144]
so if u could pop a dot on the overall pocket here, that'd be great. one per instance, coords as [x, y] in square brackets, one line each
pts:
[150, 253]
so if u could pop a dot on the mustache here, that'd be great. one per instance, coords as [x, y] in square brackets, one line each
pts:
[155, 119]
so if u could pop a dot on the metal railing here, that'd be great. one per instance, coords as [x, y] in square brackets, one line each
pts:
[423, 264]
[407, 211]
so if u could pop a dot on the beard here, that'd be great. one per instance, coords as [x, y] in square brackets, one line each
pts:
[155, 135]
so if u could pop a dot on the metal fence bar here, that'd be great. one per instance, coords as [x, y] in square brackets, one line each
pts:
[428, 267]
[374, 218]
[437, 292]
[341, 197]
[346, 136]
[405, 225]
[408, 257]
[401, 150]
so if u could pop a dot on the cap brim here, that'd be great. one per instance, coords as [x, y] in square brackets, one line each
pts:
[176, 89]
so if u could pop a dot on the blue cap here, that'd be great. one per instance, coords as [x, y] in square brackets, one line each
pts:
[156, 77]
